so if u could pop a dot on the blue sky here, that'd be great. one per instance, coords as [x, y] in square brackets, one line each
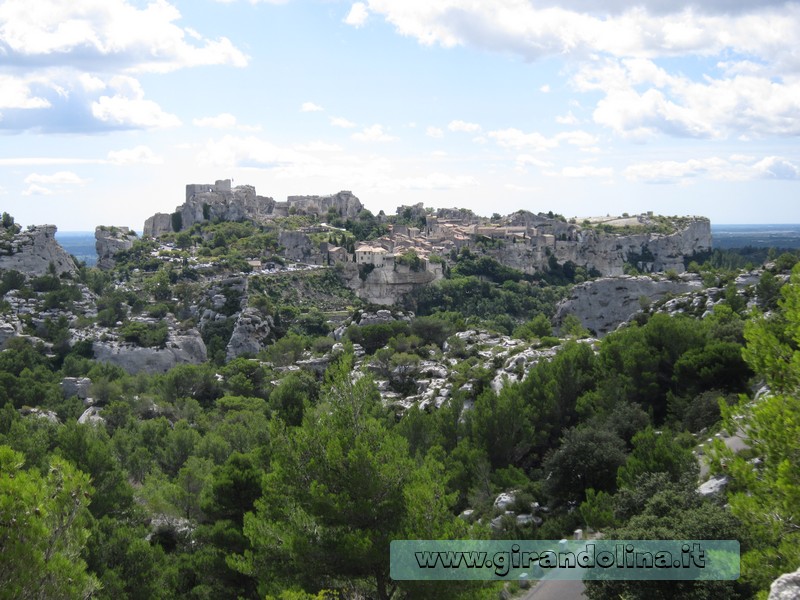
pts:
[109, 107]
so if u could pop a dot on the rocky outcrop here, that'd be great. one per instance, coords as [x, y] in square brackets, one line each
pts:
[157, 225]
[604, 304]
[10, 327]
[91, 416]
[33, 251]
[386, 285]
[297, 246]
[649, 252]
[250, 334]
[187, 347]
[605, 252]
[109, 241]
[785, 587]
[76, 387]
[345, 204]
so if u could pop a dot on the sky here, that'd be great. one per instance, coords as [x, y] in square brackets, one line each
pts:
[108, 108]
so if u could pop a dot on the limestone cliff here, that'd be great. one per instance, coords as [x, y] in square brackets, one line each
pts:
[603, 304]
[607, 252]
[344, 203]
[187, 347]
[649, 252]
[386, 285]
[109, 241]
[33, 251]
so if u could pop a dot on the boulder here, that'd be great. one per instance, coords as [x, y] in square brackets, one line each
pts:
[505, 499]
[714, 486]
[48, 415]
[76, 386]
[250, 334]
[92, 416]
[786, 587]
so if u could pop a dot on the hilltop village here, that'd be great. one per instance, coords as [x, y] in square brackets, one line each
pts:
[415, 246]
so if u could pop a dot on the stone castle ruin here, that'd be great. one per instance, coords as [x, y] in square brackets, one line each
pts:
[206, 202]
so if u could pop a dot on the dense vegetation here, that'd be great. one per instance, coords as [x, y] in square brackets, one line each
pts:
[252, 478]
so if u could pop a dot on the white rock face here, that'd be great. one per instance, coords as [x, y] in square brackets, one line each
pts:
[109, 241]
[713, 486]
[387, 285]
[76, 386]
[33, 251]
[786, 587]
[92, 416]
[603, 304]
[250, 334]
[186, 348]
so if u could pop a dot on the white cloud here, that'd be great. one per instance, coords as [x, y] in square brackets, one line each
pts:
[318, 146]
[583, 172]
[545, 89]
[374, 133]
[753, 90]
[114, 32]
[358, 15]
[535, 141]
[139, 155]
[774, 167]
[463, 126]
[235, 151]
[59, 178]
[738, 168]
[515, 138]
[522, 188]
[567, 119]
[437, 181]
[310, 107]
[47, 185]
[221, 121]
[15, 92]
[128, 108]
[671, 171]
[526, 159]
[46, 161]
[342, 122]
[675, 105]
[37, 190]
[255, 1]
[434, 132]
[579, 29]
